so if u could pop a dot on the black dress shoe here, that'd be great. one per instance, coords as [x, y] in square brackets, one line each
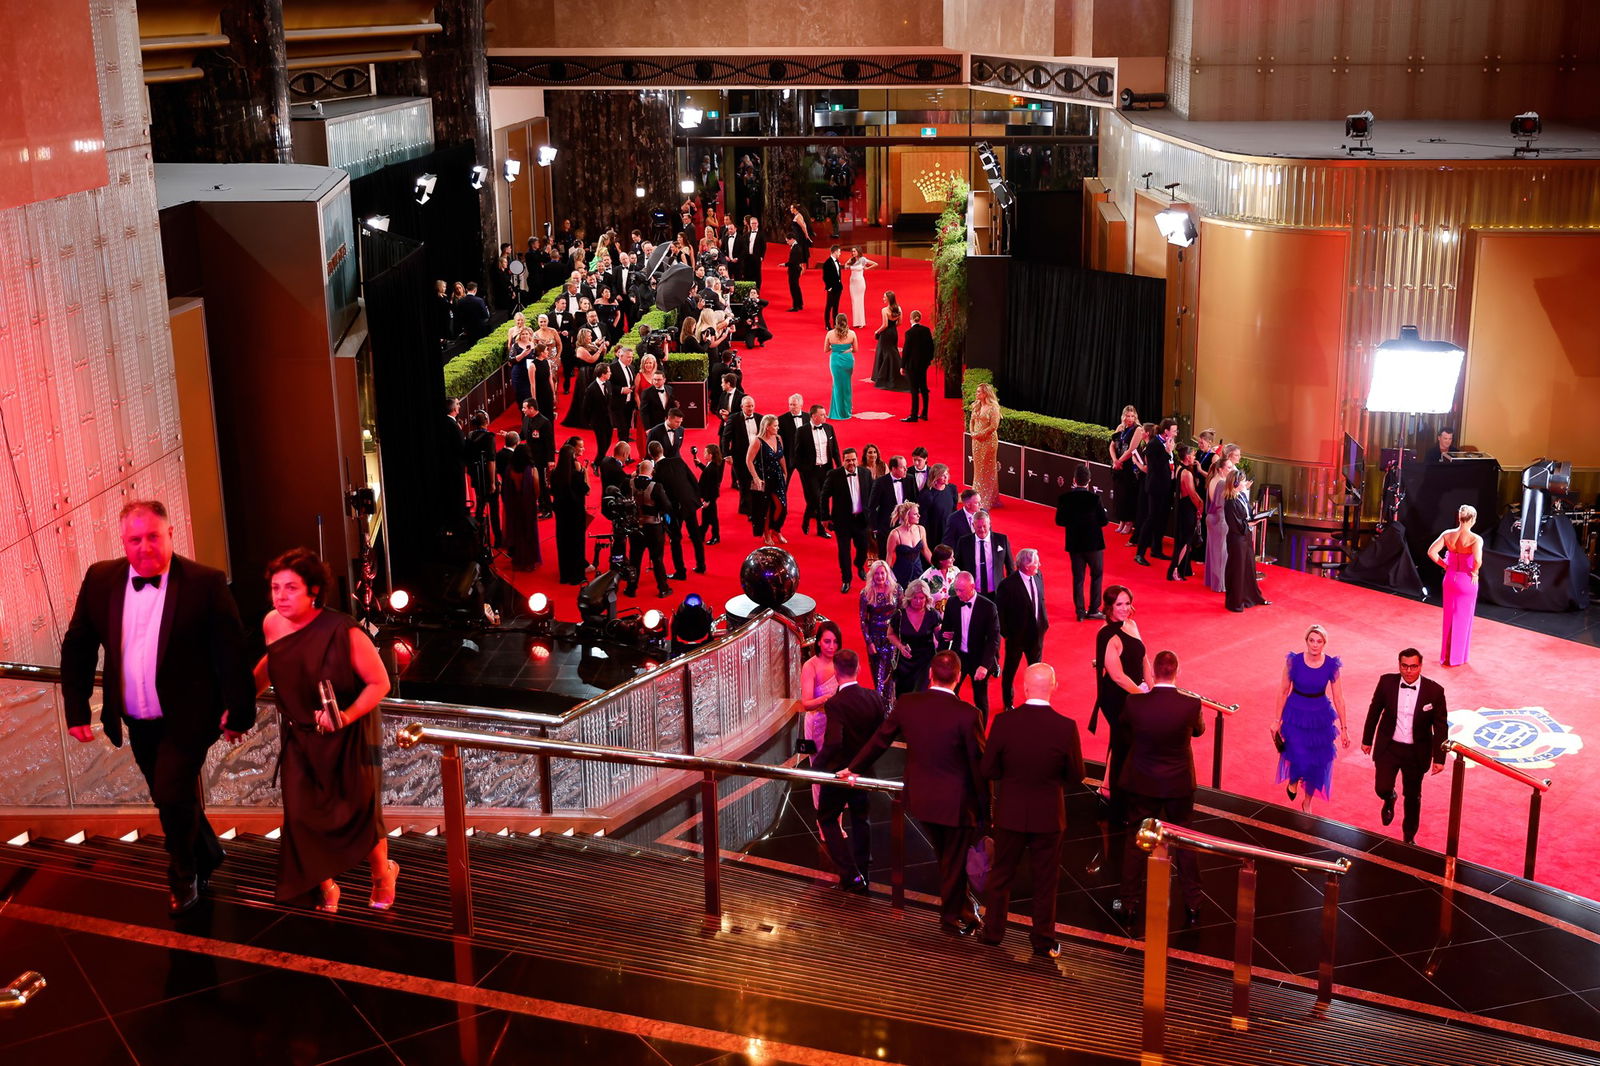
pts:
[184, 897]
[844, 586]
[856, 886]
[203, 878]
[700, 569]
[679, 576]
[1411, 840]
[1082, 616]
[1158, 555]
[1051, 952]
[1388, 810]
[1096, 616]
[861, 572]
[910, 420]
[1141, 560]
[962, 928]
[824, 534]
[1237, 610]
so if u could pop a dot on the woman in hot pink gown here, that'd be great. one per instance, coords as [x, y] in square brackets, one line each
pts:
[1463, 558]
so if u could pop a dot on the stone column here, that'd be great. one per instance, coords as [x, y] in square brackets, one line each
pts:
[239, 112]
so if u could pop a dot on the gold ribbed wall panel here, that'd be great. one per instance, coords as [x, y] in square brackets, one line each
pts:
[1407, 221]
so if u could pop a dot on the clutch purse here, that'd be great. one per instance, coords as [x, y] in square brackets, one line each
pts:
[330, 705]
[1277, 741]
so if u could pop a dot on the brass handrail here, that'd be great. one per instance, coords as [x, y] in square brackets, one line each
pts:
[1224, 712]
[21, 989]
[1225, 708]
[1158, 838]
[457, 858]
[1483, 758]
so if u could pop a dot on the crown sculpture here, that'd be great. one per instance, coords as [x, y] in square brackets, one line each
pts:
[934, 184]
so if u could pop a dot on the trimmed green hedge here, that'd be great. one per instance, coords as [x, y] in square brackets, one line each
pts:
[1081, 440]
[469, 369]
[950, 279]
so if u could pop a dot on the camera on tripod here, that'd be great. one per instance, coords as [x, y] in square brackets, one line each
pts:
[657, 342]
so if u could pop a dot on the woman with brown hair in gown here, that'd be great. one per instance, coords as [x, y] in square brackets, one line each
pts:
[330, 764]
[985, 429]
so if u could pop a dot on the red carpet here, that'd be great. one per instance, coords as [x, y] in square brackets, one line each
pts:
[1231, 658]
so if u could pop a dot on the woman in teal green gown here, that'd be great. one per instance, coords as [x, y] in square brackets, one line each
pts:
[841, 345]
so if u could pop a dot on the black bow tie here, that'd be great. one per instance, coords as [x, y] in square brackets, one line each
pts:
[963, 604]
[1402, 684]
[141, 582]
[851, 475]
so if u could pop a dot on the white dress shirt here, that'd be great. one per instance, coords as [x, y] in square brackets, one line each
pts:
[854, 481]
[1405, 710]
[983, 563]
[965, 607]
[820, 440]
[141, 645]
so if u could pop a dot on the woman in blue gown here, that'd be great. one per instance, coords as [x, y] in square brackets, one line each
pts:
[1311, 721]
[840, 344]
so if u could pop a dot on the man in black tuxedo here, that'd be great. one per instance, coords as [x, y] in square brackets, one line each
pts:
[752, 250]
[942, 751]
[888, 493]
[790, 424]
[730, 247]
[729, 399]
[971, 629]
[1080, 512]
[683, 494]
[472, 314]
[816, 455]
[853, 713]
[1033, 756]
[985, 555]
[833, 285]
[1023, 619]
[453, 449]
[737, 433]
[1157, 779]
[480, 448]
[960, 524]
[669, 434]
[1158, 482]
[655, 401]
[916, 356]
[175, 678]
[622, 279]
[536, 434]
[799, 258]
[624, 379]
[920, 473]
[1407, 725]
[845, 493]
[597, 407]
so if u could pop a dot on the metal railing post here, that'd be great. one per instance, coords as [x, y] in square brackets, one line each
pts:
[1330, 938]
[1452, 843]
[455, 831]
[1244, 942]
[1216, 751]
[1158, 896]
[688, 712]
[711, 844]
[897, 852]
[1534, 805]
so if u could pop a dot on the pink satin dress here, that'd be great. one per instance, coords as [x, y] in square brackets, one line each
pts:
[1460, 602]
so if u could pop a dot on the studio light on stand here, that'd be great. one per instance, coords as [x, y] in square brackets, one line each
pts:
[689, 117]
[1176, 224]
[686, 186]
[1526, 128]
[639, 192]
[510, 169]
[380, 223]
[480, 176]
[1358, 127]
[424, 187]
[541, 612]
[547, 155]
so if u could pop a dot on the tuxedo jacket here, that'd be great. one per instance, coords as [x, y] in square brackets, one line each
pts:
[916, 351]
[1083, 516]
[983, 633]
[800, 250]
[788, 426]
[1237, 514]
[805, 448]
[1158, 728]
[735, 440]
[729, 247]
[612, 473]
[622, 407]
[200, 653]
[967, 556]
[1430, 724]
[958, 525]
[883, 502]
[540, 441]
[1159, 475]
[853, 715]
[832, 277]
[943, 750]
[727, 405]
[836, 495]
[751, 255]
[597, 405]
[653, 406]
[674, 475]
[671, 440]
[1032, 757]
[1019, 619]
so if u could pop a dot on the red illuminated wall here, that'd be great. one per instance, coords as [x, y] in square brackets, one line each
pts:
[52, 139]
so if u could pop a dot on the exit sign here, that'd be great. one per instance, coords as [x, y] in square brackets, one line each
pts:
[930, 131]
[713, 114]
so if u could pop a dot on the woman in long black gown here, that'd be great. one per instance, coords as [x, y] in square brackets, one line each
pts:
[914, 630]
[1242, 590]
[1186, 527]
[886, 360]
[520, 490]
[1122, 666]
[767, 476]
[570, 486]
[330, 769]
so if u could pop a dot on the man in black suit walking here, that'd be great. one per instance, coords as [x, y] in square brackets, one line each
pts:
[1023, 619]
[1080, 512]
[737, 433]
[853, 713]
[960, 524]
[833, 285]
[669, 434]
[541, 444]
[942, 752]
[789, 425]
[1407, 725]
[1033, 756]
[816, 455]
[972, 630]
[916, 356]
[621, 390]
[845, 495]
[799, 258]
[597, 408]
[1157, 779]
[175, 678]
[683, 494]
[985, 555]
[1158, 492]
[887, 494]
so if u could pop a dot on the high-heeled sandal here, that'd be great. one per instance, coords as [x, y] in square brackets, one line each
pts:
[328, 902]
[383, 890]
[1290, 790]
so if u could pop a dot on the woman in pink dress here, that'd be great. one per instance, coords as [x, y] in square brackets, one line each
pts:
[1464, 558]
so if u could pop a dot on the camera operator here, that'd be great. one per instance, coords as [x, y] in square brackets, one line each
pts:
[651, 499]
[749, 321]
[674, 475]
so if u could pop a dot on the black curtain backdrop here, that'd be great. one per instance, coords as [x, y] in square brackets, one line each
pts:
[1082, 343]
[408, 385]
[446, 226]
